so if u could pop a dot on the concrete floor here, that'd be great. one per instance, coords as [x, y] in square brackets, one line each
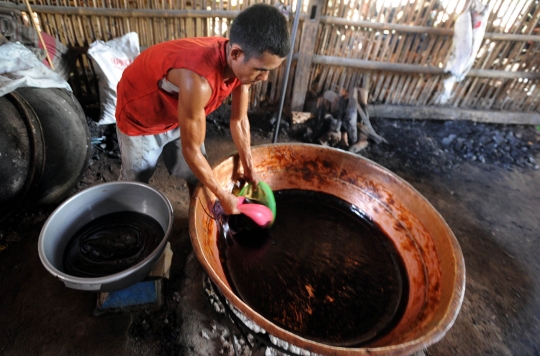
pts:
[494, 214]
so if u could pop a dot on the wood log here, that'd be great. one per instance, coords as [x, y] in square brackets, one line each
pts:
[360, 94]
[452, 113]
[360, 145]
[300, 117]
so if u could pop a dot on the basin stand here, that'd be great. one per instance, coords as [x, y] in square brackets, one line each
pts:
[147, 294]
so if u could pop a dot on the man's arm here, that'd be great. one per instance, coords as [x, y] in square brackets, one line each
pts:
[194, 94]
[239, 126]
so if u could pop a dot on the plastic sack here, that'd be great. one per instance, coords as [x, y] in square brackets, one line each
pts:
[19, 67]
[109, 60]
[469, 30]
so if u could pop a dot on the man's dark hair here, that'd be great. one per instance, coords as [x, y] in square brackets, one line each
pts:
[261, 28]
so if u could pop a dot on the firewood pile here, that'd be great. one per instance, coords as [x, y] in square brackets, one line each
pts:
[339, 119]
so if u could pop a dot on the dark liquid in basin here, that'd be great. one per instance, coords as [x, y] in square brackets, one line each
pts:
[323, 271]
[112, 243]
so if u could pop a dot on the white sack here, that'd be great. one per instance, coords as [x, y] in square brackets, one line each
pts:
[19, 67]
[469, 30]
[109, 60]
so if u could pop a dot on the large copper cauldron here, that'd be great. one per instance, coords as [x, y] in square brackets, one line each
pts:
[430, 251]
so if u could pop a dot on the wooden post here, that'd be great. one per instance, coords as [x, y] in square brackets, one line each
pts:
[305, 54]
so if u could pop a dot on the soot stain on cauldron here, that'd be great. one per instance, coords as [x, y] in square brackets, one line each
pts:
[313, 165]
[308, 176]
[111, 243]
[327, 164]
[352, 179]
[373, 189]
[324, 270]
[398, 226]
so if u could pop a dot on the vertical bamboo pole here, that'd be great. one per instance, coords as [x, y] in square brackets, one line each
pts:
[46, 22]
[405, 89]
[378, 87]
[67, 21]
[80, 33]
[126, 21]
[56, 23]
[38, 30]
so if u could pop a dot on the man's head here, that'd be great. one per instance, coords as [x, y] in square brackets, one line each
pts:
[261, 28]
[259, 42]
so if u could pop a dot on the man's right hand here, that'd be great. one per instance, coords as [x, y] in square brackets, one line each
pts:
[229, 202]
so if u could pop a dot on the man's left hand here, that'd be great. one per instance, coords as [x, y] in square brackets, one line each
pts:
[252, 177]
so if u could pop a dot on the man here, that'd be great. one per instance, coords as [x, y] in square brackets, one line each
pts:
[166, 93]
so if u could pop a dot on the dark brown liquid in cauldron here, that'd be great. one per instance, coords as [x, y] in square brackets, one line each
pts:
[323, 271]
[112, 243]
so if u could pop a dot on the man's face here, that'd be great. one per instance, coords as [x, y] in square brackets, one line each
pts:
[256, 69]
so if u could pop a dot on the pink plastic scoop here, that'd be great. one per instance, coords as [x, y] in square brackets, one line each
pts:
[260, 214]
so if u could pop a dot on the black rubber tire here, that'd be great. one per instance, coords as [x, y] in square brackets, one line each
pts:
[22, 154]
[67, 141]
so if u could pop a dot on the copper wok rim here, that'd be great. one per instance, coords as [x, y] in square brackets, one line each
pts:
[434, 334]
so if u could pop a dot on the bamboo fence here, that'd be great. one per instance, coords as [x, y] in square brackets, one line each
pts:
[396, 49]
[505, 75]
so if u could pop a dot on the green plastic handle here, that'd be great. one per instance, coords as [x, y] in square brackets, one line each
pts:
[263, 195]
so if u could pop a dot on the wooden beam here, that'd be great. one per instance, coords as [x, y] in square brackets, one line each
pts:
[376, 65]
[88, 11]
[386, 26]
[451, 113]
[94, 11]
[415, 68]
[423, 29]
[502, 74]
[305, 54]
[512, 37]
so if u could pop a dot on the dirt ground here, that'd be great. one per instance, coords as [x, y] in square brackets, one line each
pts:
[492, 208]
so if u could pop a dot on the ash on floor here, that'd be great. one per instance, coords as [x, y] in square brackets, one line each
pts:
[439, 146]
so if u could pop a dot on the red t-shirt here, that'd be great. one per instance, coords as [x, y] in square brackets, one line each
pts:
[142, 108]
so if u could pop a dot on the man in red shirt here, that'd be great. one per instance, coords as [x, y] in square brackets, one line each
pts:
[165, 94]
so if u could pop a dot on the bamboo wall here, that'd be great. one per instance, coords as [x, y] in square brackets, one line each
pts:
[506, 16]
[79, 23]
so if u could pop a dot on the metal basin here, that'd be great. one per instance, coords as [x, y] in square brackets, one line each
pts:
[429, 249]
[89, 204]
